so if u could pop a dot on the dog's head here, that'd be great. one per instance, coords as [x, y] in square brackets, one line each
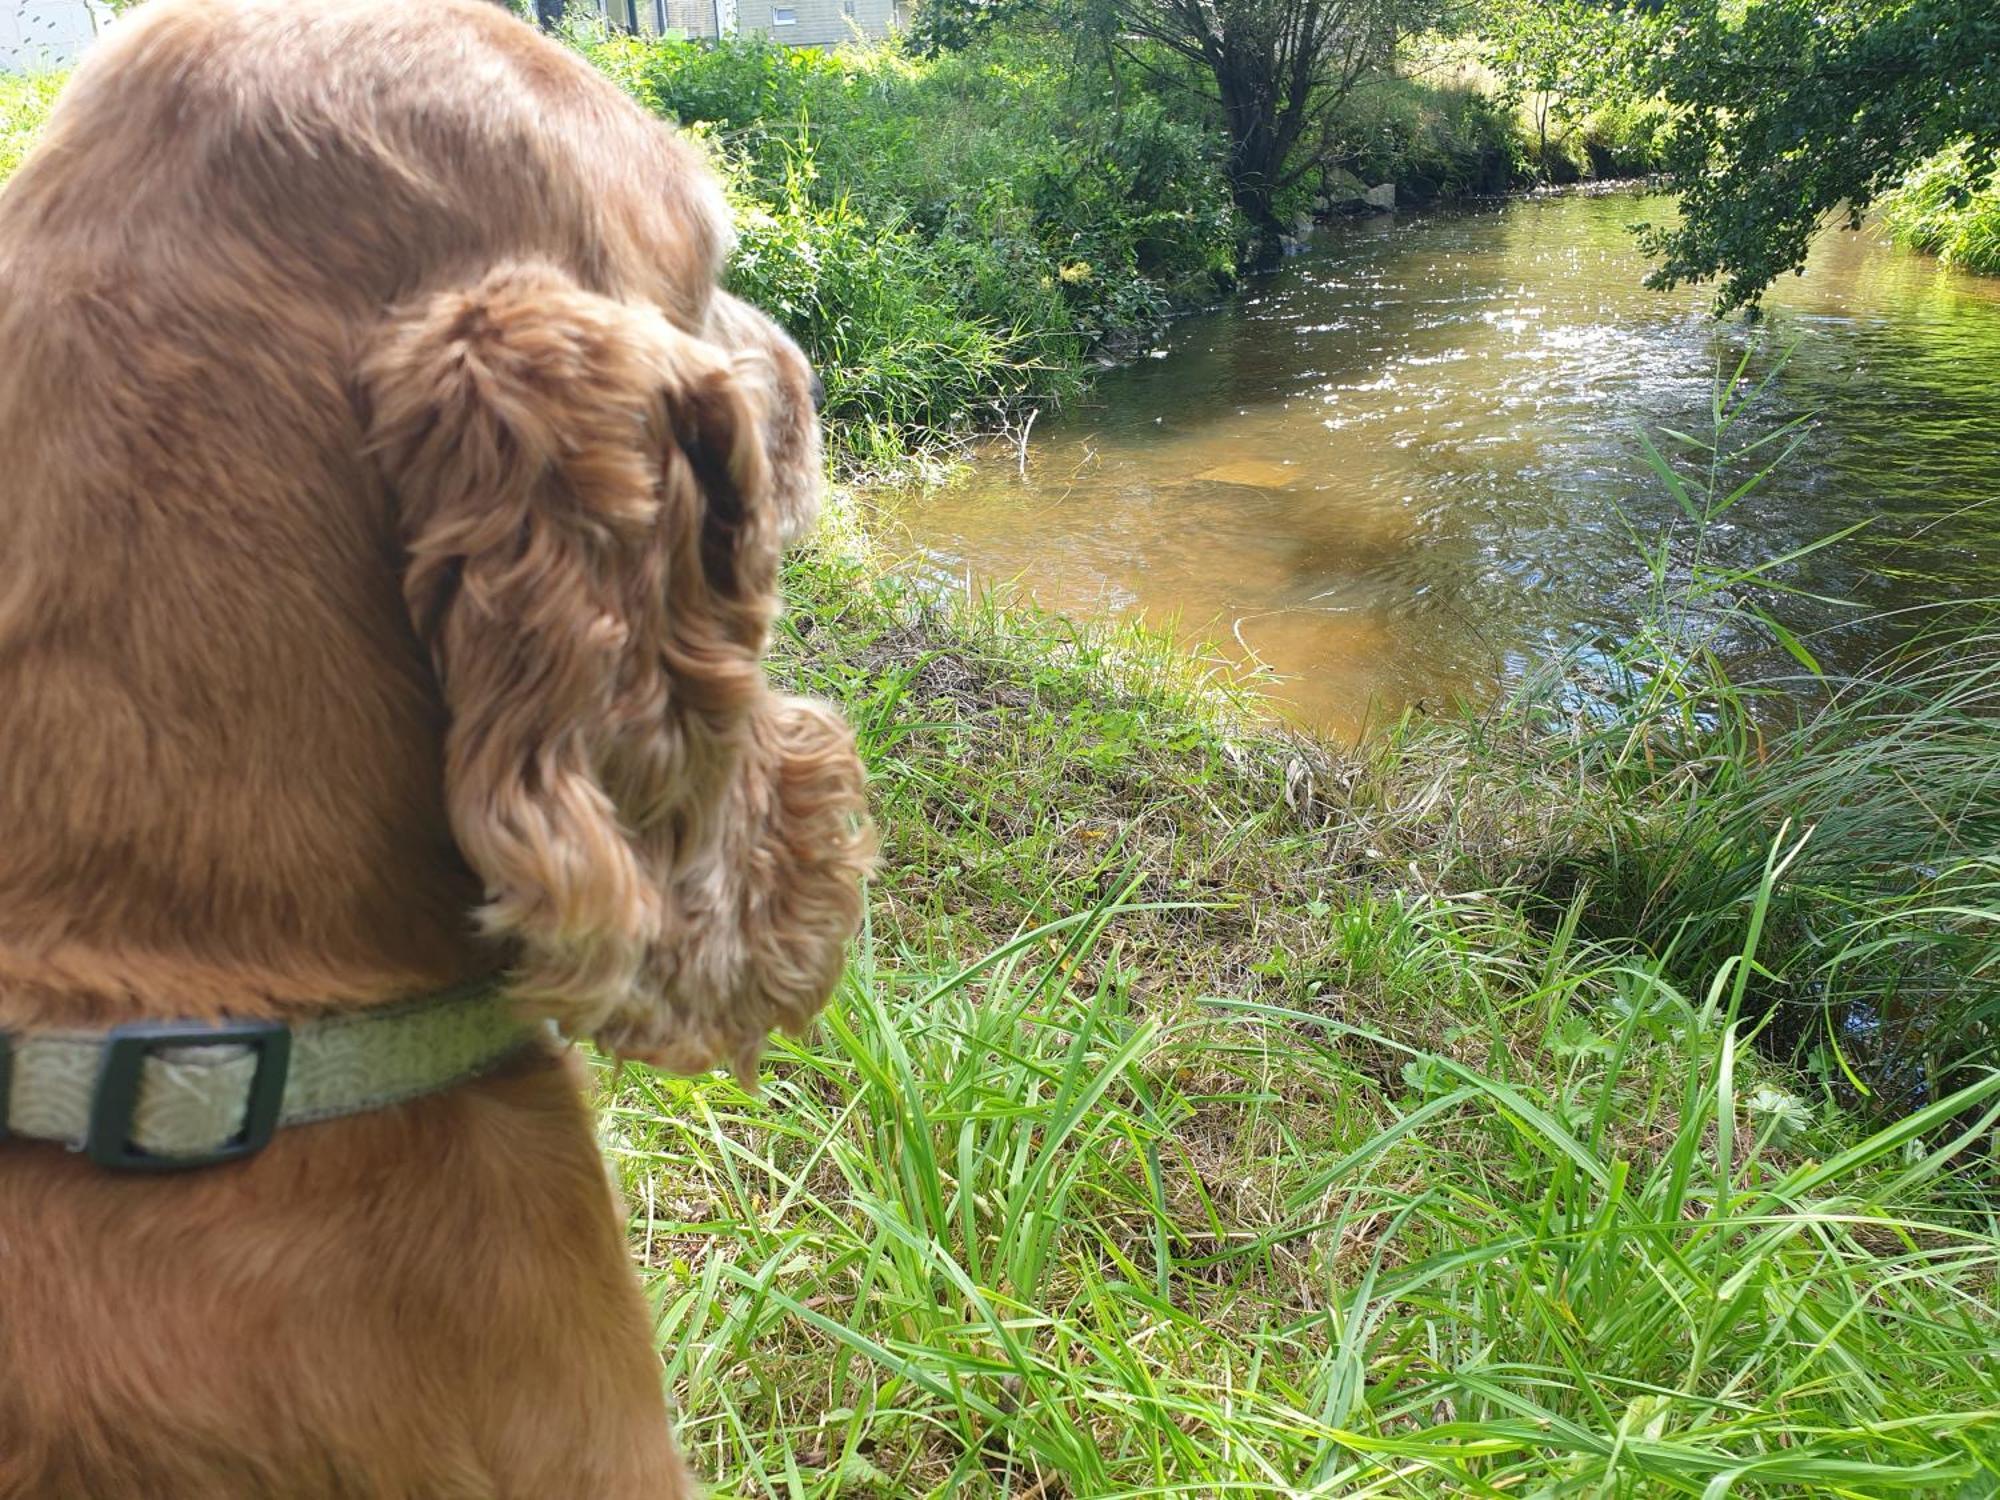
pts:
[582, 456]
[594, 501]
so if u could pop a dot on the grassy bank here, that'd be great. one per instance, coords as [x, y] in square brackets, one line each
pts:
[1445, 126]
[1951, 208]
[1205, 1113]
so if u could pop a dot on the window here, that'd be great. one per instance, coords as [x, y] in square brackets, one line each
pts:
[784, 15]
[847, 8]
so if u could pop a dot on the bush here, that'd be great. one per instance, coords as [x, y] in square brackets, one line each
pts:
[1624, 139]
[947, 237]
[1432, 141]
[877, 306]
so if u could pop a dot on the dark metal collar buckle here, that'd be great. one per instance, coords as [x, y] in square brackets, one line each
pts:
[109, 1141]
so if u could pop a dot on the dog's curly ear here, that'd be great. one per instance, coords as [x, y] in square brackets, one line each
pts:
[592, 564]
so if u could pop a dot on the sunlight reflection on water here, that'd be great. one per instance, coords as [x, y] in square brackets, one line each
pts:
[1400, 469]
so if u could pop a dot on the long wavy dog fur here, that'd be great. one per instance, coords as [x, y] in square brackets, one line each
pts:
[390, 510]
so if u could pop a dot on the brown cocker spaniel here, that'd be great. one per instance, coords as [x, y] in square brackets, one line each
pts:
[390, 508]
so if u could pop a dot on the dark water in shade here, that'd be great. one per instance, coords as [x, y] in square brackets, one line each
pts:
[1400, 469]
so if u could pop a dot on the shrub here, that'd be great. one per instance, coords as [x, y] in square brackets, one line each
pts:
[875, 304]
[1624, 139]
[947, 237]
[1432, 141]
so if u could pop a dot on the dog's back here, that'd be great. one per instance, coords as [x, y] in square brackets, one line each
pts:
[221, 751]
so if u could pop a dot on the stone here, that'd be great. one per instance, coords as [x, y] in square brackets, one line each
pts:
[1381, 196]
[1342, 186]
[1254, 472]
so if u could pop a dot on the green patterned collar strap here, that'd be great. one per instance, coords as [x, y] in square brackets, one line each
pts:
[163, 1095]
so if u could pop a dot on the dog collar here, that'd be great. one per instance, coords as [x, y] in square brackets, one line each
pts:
[164, 1095]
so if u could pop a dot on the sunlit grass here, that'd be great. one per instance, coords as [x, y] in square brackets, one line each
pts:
[1950, 206]
[1025, 1227]
[1206, 1114]
[25, 100]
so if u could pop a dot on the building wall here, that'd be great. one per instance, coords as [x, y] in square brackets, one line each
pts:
[37, 34]
[815, 23]
[796, 23]
[690, 17]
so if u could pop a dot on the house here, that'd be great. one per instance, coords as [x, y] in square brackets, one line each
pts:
[38, 34]
[795, 23]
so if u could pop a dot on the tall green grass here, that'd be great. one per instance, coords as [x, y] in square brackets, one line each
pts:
[1950, 206]
[1884, 963]
[1029, 1225]
[1204, 1113]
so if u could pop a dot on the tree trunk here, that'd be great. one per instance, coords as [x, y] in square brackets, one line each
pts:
[1256, 201]
[1253, 171]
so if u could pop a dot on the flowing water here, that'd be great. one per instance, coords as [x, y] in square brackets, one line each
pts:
[1405, 468]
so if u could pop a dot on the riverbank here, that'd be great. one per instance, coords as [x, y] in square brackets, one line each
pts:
[961, 240]
[1402, 469]
[1951, 210]
[1206, 1112]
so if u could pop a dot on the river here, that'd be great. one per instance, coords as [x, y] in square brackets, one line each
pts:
[1405, 467]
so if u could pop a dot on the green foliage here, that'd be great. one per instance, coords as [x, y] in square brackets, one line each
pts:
[941, 26]
[1432, 141]
[1792, 113]
[1622, 137]
[877, 306]
[1883, 939]
[1449, 139]
[1266, 73]
[947, 237]
[25, 99]
[1558, 59]
[1950, 208]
